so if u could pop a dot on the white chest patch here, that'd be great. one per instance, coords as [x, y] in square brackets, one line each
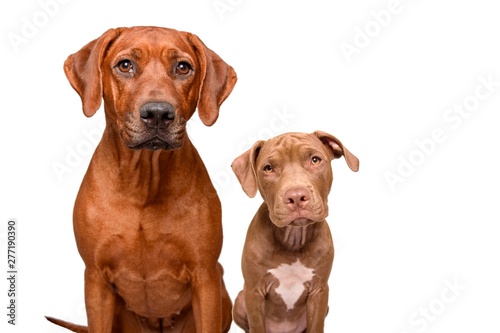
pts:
[291, 278]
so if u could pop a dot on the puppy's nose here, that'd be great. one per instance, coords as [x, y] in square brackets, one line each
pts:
[297, 198]
[157, 114]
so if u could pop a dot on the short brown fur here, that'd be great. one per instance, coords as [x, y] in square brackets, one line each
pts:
[147, 218]
[288, 241]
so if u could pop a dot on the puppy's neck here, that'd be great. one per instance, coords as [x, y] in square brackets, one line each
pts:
[294, 238]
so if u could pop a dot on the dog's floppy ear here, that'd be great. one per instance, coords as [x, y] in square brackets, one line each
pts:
[244, 168]
[338, 149]
[217, 81]
[83, 70]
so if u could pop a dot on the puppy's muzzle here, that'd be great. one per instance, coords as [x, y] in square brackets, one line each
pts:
[297, 199]
[157, 115]
[296, 208]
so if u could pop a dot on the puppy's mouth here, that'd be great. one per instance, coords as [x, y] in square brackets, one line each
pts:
[301, 222]
[301, 218]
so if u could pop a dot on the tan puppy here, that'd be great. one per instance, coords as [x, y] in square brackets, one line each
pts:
[288, 252]
[147, 219]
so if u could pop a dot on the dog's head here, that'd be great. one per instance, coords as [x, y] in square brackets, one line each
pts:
[293, 174]
[152, 80]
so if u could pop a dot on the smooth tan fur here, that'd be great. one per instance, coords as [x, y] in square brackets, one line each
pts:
[288, 252]
[147, 218]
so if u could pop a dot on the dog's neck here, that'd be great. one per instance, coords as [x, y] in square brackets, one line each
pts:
[294, 238]
[149, 175]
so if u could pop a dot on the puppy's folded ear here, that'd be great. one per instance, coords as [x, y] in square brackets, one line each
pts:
[217, 81]
[244, 169]
[338, 149]
[83, 70]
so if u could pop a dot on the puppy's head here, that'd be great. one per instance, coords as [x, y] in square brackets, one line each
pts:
[293, 174]
[152, 80]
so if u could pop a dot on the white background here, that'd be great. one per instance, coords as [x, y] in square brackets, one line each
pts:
[398, 249]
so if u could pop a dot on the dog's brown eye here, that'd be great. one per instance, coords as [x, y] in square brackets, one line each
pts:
[268, 168]
[183, 68]
[125, 66]
[315, 160]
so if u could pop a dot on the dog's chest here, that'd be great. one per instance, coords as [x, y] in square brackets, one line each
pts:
[148, 273]
[291, 282]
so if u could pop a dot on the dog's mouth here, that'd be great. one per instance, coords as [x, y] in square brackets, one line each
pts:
[156, 143]
[301, 218]
[301, 222]
[140, 137]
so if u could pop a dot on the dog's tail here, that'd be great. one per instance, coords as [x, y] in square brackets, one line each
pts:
[69, 326]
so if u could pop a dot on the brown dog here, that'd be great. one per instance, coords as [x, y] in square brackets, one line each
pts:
[147, 219]
[288, 252]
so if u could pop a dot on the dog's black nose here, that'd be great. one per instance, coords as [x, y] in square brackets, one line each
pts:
[157, 114]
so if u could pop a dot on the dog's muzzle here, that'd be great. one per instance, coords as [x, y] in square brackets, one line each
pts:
[157, 115]
[157, 127]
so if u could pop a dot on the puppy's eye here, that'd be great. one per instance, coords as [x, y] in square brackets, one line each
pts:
[268, 168]
[183, 68]
[315, 160]
[125, 66]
